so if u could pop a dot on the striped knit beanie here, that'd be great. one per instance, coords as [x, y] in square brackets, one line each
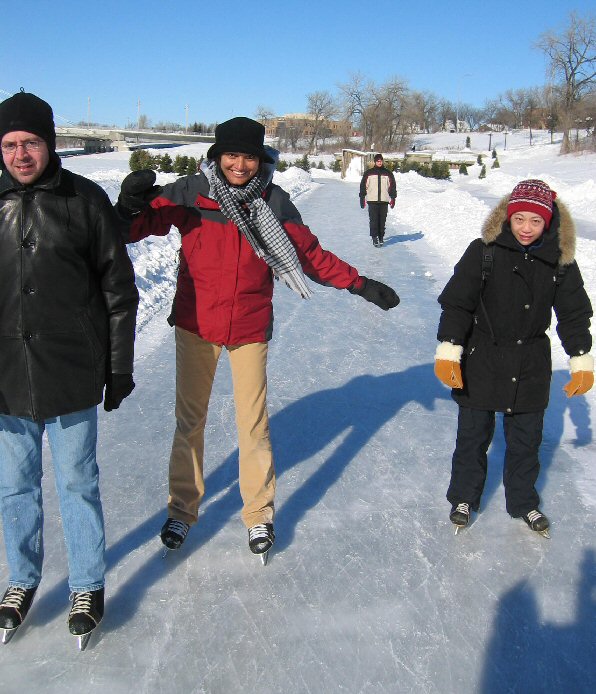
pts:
[534, 196]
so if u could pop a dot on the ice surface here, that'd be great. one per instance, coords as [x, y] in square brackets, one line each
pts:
[367, 589]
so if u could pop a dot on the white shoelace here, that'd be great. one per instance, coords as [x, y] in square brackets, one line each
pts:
[14, 598]
[258, 532]
[81, 603]
[533, 515]
[463, 508]
[178, 527]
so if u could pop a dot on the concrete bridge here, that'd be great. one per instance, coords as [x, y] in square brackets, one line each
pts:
[121, 139]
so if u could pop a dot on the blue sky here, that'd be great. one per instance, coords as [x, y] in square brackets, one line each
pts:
[226, 58]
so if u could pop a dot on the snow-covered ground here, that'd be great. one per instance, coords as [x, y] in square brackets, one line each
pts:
[367, 589]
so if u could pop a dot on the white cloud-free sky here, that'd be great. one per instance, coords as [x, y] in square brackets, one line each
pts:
[226, 59]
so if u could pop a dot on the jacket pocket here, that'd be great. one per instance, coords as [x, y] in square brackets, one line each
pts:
[97, 348]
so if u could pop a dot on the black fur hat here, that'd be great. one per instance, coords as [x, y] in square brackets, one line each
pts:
[24, 111]
[240, 135]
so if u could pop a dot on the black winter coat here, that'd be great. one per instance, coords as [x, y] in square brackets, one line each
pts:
[68, 299]
[506, 364]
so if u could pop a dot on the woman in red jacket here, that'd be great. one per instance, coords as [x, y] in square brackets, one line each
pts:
[238, 231]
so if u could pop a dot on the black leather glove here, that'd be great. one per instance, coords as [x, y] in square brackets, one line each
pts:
[118, 387]
[362, 203]
[137, 190]
[377, 293]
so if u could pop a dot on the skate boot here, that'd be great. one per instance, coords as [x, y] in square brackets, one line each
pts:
[13, 610]
[174, 533]
[460, 515]
[537, 522]
[260, 539]
[85, 614]
[375, 240]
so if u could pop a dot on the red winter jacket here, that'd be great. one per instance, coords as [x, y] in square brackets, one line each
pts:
[224, 290]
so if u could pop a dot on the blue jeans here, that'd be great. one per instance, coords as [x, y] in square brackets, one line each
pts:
[73, 441]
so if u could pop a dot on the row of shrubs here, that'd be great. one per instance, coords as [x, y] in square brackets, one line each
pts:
[181, 165]
[184, 166]
[463, 168]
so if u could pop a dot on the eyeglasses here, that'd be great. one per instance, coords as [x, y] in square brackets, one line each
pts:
[28, 146]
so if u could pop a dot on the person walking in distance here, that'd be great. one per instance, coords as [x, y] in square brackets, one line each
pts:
[378, 191]
[239, 231]
[494, 351]
[68, 304]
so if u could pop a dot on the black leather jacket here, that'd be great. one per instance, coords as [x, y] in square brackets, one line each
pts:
[68, 299]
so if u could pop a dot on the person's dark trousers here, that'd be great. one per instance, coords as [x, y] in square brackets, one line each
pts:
[475, 429]
[523, 435]
[377, 215]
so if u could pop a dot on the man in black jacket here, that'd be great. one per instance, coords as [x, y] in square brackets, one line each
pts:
[68, 305]
[377, 188]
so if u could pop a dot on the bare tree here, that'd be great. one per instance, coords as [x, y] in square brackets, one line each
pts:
[321, 108]
[356, 101]
[264, 114]
[424, 109]
[572, 56]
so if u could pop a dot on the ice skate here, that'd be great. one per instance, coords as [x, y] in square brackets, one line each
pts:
[460, 516]
[13, 610]
[173, 534]
[538, 522]
[260, 540]
[85, 614]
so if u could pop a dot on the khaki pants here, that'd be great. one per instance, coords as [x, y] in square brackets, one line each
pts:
[196, 362]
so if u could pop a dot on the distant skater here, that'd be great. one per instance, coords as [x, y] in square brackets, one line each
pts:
[377, 189]
[494, 351]
[239, 231]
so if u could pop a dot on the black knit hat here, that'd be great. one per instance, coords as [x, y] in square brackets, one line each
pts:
[28, 112]
[240, 135]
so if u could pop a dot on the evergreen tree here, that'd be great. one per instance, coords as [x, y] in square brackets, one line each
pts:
[166, 164]
[303, 163]
[468, 142]
[482, 171]
[191, 169]
[463, 169]
[496, 164]
[479, 159]
[335, 165]
[141, 159]
[494, 153]
[320, 165]
[180, 165]
[282, 165]
[440, 170]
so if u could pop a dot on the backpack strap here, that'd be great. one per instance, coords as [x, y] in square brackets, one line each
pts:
[488, 253]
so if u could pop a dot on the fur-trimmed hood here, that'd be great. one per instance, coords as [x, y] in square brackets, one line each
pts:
[493, 227]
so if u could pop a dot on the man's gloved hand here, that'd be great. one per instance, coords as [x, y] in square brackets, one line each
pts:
[447, 364]
[137, 190]
[392, 203]
[582, 375]
[362, 203]
[118, 387]
[375, 292]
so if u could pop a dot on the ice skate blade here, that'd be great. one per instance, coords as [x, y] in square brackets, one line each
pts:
[544, 533]
[264, 557]
[84, 640]
[458, 528]
[7, 634]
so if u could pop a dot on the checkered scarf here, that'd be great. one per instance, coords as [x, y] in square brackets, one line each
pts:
[259, 225]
